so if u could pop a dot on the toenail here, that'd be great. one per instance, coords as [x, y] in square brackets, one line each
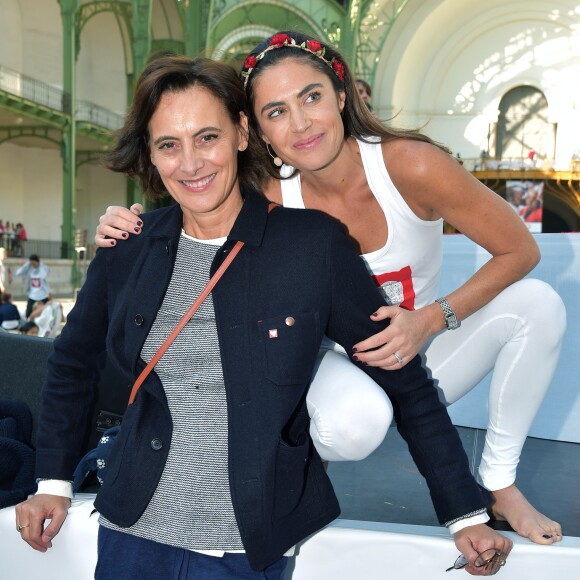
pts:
[547, 536]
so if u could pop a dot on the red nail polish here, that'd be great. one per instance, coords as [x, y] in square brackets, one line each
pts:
[139, 223]
[125, 234]
[113, 242]
[137, 230]
[354, 349]
[355, 357]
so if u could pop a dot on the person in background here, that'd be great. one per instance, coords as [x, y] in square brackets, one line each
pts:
[29, 328]
[48, 316]
[2, 269]
[515, 197]
[9, 316]
[214, 468]
[365, 92]
[9, 238]
[37, 288]
[393, 189]
[20, 237]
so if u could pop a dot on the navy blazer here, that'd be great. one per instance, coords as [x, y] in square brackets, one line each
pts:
[295, 263]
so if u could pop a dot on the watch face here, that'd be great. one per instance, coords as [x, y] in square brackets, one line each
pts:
[452, 322]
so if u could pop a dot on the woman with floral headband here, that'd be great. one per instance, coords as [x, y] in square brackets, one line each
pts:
[392, 189]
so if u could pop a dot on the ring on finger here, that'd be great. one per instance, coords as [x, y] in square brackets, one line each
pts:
[399, 358]
[19, 528]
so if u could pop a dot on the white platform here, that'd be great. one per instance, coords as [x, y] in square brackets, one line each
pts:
[345, 550]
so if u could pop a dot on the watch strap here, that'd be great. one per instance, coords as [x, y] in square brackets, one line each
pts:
[451, 321]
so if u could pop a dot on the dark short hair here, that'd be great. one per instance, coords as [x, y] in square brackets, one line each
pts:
[28, 326]
[171, 73]
[33, 258]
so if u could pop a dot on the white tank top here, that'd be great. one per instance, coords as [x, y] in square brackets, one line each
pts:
[407, 267]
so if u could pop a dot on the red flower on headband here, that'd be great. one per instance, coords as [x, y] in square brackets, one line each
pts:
[314, 45]
[338, 68]
[250, 62]
[278, 40]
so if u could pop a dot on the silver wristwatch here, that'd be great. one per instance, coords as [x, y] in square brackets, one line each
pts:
[451, 321]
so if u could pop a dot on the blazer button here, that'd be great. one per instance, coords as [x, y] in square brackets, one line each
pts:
[138, 319]
[156, 444]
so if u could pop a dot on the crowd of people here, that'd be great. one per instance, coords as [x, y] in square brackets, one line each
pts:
[526, 198]
[42, 315]
[246, 370]
[13, 237]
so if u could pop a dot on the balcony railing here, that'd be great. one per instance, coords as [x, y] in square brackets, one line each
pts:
[519, 164]
[97, 115]
[50, 96]
[46, 249]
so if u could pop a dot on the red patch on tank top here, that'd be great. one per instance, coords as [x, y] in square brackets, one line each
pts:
[397, 287]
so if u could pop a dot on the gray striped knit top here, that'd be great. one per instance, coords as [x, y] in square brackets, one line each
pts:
[191, 507]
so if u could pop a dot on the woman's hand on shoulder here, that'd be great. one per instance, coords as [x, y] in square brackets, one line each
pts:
[405, 335]
[117, 223]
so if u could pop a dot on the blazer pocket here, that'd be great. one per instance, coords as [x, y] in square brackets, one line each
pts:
[291, 466]
[290, 346]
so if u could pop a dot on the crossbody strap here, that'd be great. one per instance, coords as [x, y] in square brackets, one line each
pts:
[185, 319]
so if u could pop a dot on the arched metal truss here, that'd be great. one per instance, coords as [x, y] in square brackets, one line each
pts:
[228, 17]
[10, 133]
[372, 24]
[359, 30]
[234, 44]
[123, 12]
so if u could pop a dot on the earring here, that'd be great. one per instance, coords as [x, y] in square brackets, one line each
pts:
[286, 170]
[277, 160]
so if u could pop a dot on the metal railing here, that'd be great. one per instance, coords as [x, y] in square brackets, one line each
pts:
[52, 97]
[507, 164]
[520, 164]
[98, 115]
[46, 249]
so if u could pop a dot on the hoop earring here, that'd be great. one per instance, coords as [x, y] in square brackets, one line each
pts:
[277, 160]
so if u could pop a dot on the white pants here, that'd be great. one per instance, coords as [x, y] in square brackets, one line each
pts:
[518, 336]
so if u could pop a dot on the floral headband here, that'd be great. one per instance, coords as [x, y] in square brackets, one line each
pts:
[280, 40]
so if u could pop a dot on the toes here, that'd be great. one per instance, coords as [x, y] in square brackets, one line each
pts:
[540, 537]
[544, 536]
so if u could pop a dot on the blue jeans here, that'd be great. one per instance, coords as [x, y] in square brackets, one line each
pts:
[122, 556]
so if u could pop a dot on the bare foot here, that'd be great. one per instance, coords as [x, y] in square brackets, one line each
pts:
[511, 505]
